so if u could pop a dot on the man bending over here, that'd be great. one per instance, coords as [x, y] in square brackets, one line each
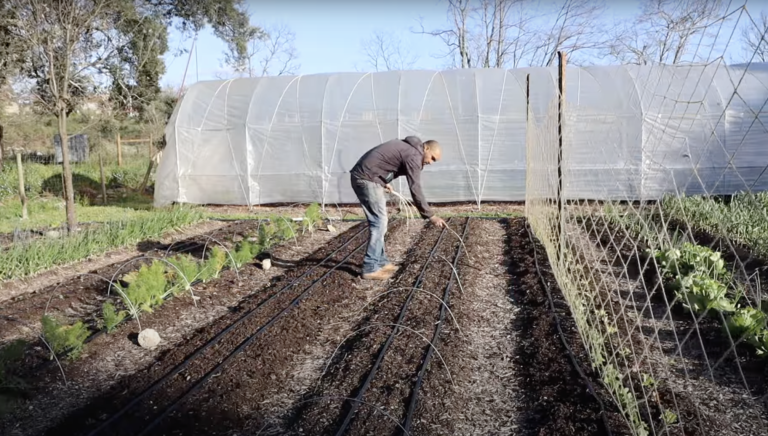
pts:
[371, 177]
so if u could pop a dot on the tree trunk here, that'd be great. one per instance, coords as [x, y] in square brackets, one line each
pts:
[69, 194]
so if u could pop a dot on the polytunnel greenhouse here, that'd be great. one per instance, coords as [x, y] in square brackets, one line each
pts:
[630, 132]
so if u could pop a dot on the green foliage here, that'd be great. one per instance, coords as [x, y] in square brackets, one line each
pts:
[217, 259]
[313, 217]
[21, 260]
[244, 252]
[742, 220]
[146, 287]
[745, 322]
[187, 270]
[700, 294]
[64, 339]
[612, 379]
[692, 259]
[698, 276]
[111, 317]
[10, 385]
[136, 70]
[268, 234]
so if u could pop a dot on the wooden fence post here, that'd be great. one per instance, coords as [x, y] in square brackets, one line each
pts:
[103, 180]
[560, 121]
[119, 151]
[22, 193]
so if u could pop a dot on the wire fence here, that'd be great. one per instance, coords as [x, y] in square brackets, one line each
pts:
[123, 163]
[664, 262]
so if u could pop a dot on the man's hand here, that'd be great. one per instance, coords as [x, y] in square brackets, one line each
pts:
[437, 221]
[388, 188]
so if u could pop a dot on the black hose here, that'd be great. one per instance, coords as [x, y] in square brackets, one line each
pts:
[383, 351]
[438, 328]
[216, 339]
[561, 334]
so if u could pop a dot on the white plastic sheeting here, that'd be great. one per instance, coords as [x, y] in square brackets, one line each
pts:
[631, 132]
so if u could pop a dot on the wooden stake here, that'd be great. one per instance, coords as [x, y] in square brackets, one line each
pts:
[561, 60]
[103, 181]
[22, 194]
[149, 148]
[119, 151]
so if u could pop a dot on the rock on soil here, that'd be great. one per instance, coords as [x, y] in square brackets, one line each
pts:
[149, 339]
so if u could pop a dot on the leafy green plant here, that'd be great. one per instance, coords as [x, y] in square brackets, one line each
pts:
[111, 317]
[10, 385]
[185, 270]
[268, 235]
[286, 229]
[691, 258]
[19, 260]
[669, 417]
[700, 293]
[146, 287]
[313, 217]
[217, 259]
[244, 252]
[64, 339]
[745, 322]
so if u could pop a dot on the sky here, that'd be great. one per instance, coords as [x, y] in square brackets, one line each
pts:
[329, 34]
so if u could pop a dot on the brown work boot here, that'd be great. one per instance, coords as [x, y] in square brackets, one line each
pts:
[381, 274]
[390, 268]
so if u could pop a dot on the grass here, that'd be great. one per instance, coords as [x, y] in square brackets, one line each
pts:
[20, 260]
[742, 220]
[40, 179]
[49, 212]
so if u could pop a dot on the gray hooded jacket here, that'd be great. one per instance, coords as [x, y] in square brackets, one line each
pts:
[392, 159]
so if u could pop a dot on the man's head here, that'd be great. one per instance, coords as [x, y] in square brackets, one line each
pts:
[432, 152]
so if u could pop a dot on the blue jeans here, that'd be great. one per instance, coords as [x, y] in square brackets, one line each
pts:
[374, 205]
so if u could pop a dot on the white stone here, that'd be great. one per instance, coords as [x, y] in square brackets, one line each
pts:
[331, 228]
[149, 339]
[53, 234]
[266, 264]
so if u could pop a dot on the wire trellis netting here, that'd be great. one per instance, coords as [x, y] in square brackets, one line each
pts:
[663, 259]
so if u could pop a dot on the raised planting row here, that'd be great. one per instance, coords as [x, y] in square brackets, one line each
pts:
[683, 310]
[741, 219]
[24, 259]
[499, 365]
[144, 284]
[157, 397]
[377, 366]
[415, 363]
[697, 277]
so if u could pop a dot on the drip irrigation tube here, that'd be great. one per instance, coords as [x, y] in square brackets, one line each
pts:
[220, 335]
[561, 334]
[435, 338]
[199, 384]
[419, 281]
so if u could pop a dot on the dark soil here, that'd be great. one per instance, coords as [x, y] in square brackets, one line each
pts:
[321, 411]
[81, 297]
[556, 399]
[212, 414]
[705, 354]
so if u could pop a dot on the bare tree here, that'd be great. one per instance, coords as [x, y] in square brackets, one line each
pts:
[754, 38]
[271, 52]
[513, 33]
[575, 30]
[668, 31]
[456, 37]
[385, 52]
